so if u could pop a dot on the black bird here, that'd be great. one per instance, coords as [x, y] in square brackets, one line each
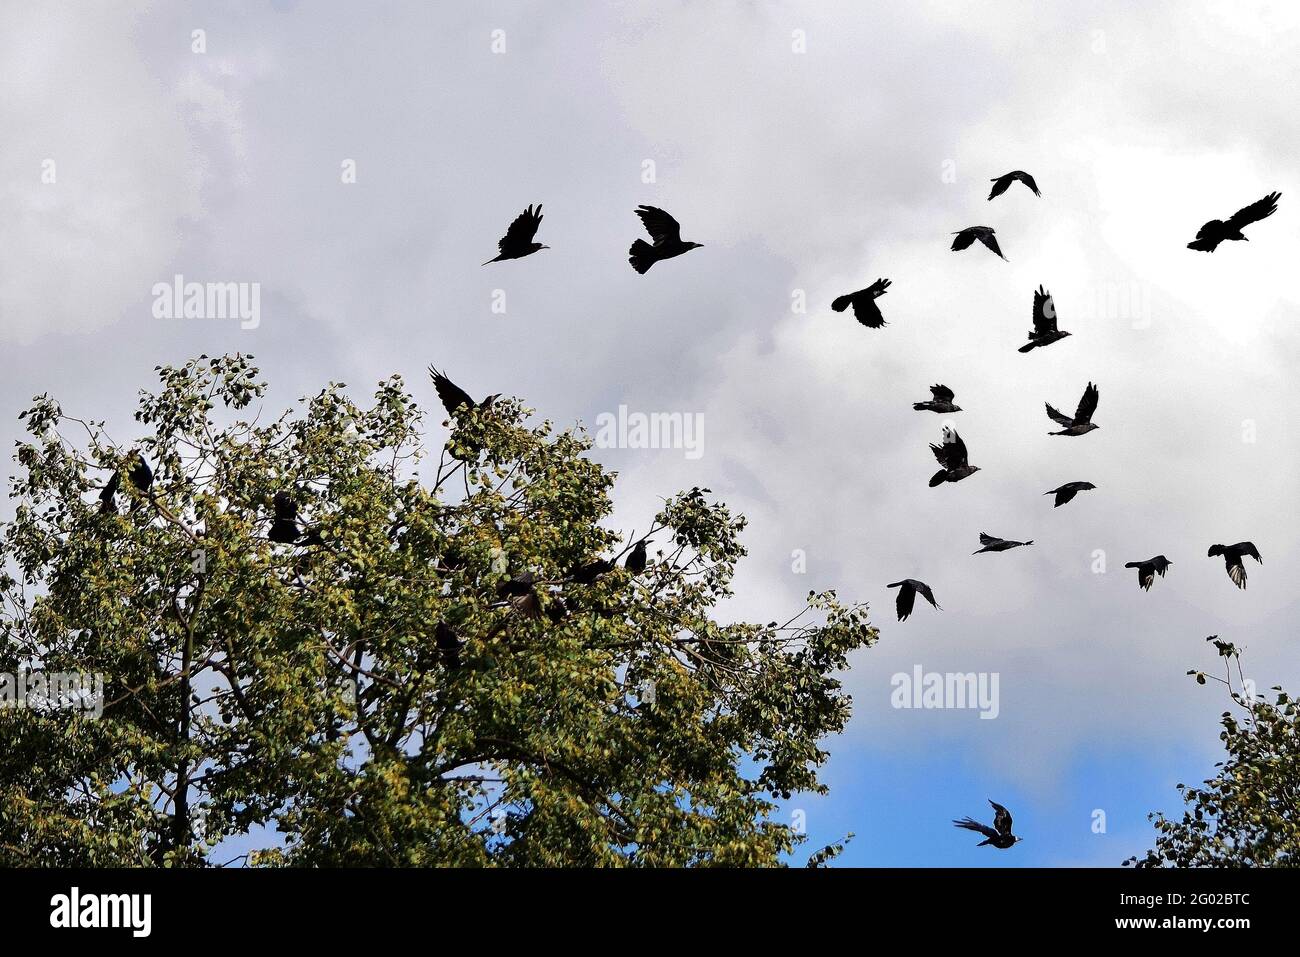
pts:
[864, 305]
[1000, 183]
[1216, 231]
[636, 561]
[521, 594]
[983, 233]
[1232, 555]
[942, 401]
[108, 495]
[667, 235]
[448, 644]
[1044, 332]
[518, 240]
[1149, 569]
[907, 590]
[1068, 491]
[952, 456]
[991, 544]
[454, 397]
[586, 574]
[1082, 421]
[141, 475]
[284, 525]
[999, 835]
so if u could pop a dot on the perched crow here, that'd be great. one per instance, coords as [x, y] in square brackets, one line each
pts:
[108, 495]
[991, 544]
[1068, 491]
[667, 235]
[1216, 231]
[983, 233]
[1149, 569]
[1000, 183]
[448, 644]
[1232, 559]
[864, 305]
[1044, 332]
[284, 526]
[141, 475]
[942, 401]
[636, 561]
[589, 572]
[999, 835]
[907, 590]
[521, 594]
[1082, 421]
[952, 456]
[518, 240]
[453, 396]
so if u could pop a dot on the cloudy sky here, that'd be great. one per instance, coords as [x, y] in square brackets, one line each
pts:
[812, 148]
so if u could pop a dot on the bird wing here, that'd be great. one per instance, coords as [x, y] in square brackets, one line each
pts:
[1237, 571]
[964, 239]
[452, 395]
[926, 593]
[1253, 213]
[1027, 180]
[957, 452]
[878, 288]
[1000, 184]
[906, 598]
[661, 227]
[991, 241]
[1248, 548]
[1044, 312]
[1001, 818]
[987, 539]
[972, 825]
[522, 230]
[867, 312]
[942, 393]
[1087, 404]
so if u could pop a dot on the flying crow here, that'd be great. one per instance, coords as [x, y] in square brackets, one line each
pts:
[1232, 559]
[983, 233]
[1000, 183]
[952, 456]
[999, 835]
[1216, 231]
[907, 590]
[864, 305]
[454, 397]
[991, 544]
[1082, 421]
[1044, 332]
[518, 240]
[667, 235]
[1068, 491]
[1149, 569]
[942, 401]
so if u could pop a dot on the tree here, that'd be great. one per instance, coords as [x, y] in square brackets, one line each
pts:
[424, 677]
[1248, 814]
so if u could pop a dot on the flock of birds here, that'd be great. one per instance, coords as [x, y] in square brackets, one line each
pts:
[951, 454]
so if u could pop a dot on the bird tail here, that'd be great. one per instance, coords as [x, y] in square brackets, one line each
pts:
[938, 477]
[641, 256]
[1204, 245]
[842, 303]
[1028, 346]
[918, 406]
[492, 260]
[1132, 564]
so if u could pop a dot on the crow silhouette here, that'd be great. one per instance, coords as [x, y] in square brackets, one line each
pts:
[907, 590]
[1068, 491]
[991, 544]
[284, 524]
[942, 401]
[1232, 559]
[454, 397]
[140, 476]
[1044, 332]
[952, 456]
[1082, 421]
[864, 305]
[518, 240]
[587, 573]
[1149, 569]
[1000, 183]
[636, 561]
[108, 495]
[1216, 231]
[448, 645]
[999, 835]
[983, 233]
[667, 235]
